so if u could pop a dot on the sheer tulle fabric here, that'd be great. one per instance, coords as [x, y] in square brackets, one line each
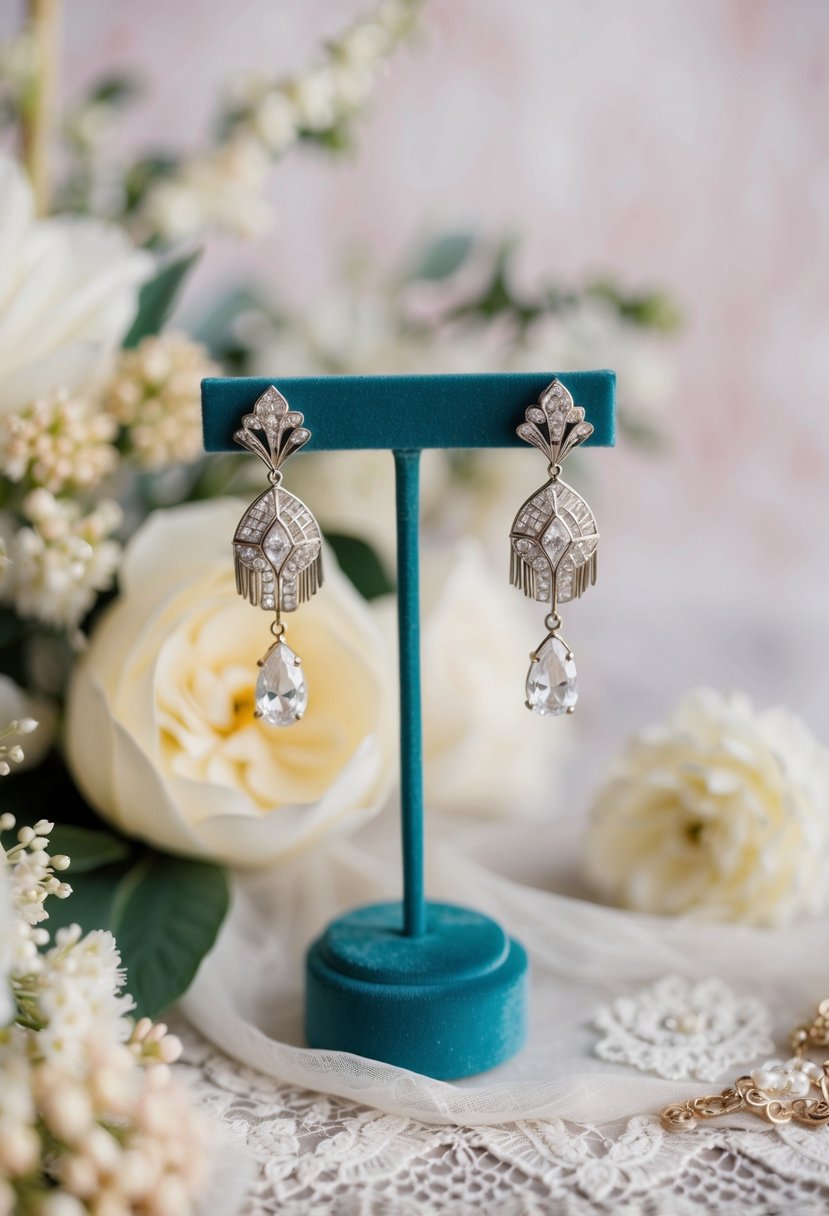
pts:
[248, 996]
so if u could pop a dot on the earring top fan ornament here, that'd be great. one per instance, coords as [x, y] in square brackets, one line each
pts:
[554, 541]
[277, 553]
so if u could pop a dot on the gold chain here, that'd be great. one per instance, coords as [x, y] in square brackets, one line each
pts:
[774, 1095]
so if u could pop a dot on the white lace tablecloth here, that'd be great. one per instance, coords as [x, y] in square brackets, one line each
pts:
[570, 1125]
[313, 1153]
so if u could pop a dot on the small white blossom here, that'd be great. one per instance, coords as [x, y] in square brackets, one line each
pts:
[155, 393]
[315, 98]
[274, 120]
[59, 442]
[62, 560]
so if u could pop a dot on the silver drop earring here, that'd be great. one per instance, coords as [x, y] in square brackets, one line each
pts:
[554, 541]
[277, 554]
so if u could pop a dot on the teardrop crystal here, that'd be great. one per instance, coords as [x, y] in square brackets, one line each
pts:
[552, 682]
[281, 691]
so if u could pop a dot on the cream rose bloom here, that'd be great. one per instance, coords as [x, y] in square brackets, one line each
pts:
[68, 293]
[722, 813]
[161, 736]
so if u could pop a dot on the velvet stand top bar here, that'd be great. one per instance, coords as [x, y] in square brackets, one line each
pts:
[408, 412]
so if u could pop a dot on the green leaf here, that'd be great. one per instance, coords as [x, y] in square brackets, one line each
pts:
[11, 627]
[166, 915]
[157, 297]
[361, 563]
[116, 90]
[443, 257]
[215, 329]
[145, 173]
[88, 850]
[648, 309]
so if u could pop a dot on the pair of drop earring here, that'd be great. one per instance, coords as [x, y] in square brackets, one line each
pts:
[278, 550]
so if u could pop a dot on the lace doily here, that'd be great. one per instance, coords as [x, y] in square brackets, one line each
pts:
[682, 1030]
[314, 1153]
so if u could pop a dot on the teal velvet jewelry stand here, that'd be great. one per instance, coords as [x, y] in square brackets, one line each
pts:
[438, 989]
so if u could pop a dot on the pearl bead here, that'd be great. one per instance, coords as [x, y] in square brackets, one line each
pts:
[799, 1085]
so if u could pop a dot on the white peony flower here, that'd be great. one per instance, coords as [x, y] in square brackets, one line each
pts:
[722, 813]
[161, 735]
[68, 293]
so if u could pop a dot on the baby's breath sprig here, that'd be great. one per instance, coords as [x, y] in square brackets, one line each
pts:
[12, 754]
[92, 1118]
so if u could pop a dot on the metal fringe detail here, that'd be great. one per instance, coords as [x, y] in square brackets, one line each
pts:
[523, 575]
[310, 580]
[305, 584]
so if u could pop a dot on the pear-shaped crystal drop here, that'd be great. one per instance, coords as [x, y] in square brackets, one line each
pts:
[552, 683]
[281, 692]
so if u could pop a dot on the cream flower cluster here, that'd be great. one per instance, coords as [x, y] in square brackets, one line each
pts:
[723, 813]
[59, 562]
[155, 394]
[91, 1118]
[58, 441]
[223, 188]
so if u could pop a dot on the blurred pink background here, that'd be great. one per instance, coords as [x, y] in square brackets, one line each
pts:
[684, 145]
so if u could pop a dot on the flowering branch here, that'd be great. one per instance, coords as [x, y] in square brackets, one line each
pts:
[222, 188]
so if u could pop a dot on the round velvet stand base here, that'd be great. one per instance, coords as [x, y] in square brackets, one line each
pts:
[448, 1004]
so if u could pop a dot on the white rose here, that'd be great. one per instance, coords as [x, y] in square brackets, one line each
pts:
[485, 753]
[160, 732]
[722, 813]
[68, 293]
